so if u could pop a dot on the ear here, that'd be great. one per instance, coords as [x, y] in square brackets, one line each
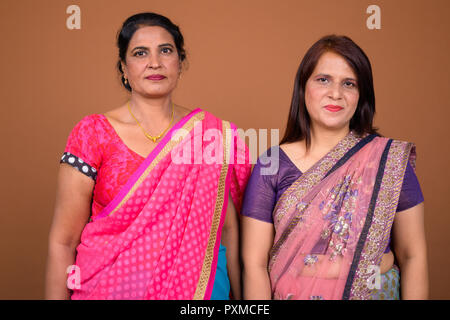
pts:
[124, 69]
[180, 68]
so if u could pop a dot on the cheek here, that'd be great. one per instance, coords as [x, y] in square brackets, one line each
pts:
[135, 68]
[313, 96]
[173, 67]
[352, 100]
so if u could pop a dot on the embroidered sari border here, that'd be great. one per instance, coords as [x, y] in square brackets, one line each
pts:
[351, 152]
[406, 149]
[367, 223]
[384, 213]
[159, 152]
[207, 275]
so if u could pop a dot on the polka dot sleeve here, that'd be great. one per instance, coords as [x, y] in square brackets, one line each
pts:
[82, 150]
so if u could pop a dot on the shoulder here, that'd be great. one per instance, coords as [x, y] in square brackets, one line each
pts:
[273, 151]
[401, 151]
[84, 141]
[90, 132]
[293, 149]
[88, 125]
[212, 121]
[90, 119]
[392, 140]
[209, 116]
[396, 145]
[183, 111]
[400, 145]
[118, 115]
[268, 163]
[293, 146]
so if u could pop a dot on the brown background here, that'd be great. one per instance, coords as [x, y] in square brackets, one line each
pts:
[243, 56]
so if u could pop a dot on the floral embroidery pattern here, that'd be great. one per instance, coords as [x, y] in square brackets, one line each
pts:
[310, 259]
[300, 187]
[338, 210]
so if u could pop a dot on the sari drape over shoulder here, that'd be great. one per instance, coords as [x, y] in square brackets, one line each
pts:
[333, 223]
[159, 237]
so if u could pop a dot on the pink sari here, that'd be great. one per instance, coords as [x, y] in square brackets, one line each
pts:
[159, 237]
[333, 224]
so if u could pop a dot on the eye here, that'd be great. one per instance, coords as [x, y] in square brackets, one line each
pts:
[349, 84]
[166, 50]
[139, 53]
[322, 80]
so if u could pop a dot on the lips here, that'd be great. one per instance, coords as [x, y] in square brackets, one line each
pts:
[155, 77]
[333, 108]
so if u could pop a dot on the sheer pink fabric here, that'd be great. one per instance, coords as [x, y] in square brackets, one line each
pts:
[329, 230]
[159, 237]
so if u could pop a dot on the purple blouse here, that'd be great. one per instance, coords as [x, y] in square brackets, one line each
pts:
[263, 191]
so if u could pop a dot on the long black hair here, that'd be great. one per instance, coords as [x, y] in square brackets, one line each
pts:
[299, 122]
[146, 19]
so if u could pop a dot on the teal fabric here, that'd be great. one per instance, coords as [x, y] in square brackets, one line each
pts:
[390, 286]
[221, 287]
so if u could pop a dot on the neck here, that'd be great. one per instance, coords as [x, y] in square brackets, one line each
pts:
[151, 112]
[324, 139]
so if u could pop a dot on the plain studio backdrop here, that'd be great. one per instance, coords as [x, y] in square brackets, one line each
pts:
[58, 65]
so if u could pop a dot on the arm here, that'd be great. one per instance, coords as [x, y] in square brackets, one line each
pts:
[230, 239]
[257, 240]
[72, 210]
[411, 252]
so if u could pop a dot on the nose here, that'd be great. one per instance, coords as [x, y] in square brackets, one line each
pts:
[154, 61]
[335, 91]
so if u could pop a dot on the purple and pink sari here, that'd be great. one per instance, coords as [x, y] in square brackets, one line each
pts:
[159, 237]
[333, 223]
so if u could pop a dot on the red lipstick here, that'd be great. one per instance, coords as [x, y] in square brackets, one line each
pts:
[333, 108]
[155, 77]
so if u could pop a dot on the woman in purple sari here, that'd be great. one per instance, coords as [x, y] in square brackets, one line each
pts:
[148, 193]
[342, 217]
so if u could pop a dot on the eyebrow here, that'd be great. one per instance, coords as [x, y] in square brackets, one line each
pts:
[146, 48]
[329, 76]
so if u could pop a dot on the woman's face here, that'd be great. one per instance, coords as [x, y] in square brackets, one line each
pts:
[331, 93]
[152, 65]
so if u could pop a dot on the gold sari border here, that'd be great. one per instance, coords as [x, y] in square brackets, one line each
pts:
[381, 222]
[209, 254]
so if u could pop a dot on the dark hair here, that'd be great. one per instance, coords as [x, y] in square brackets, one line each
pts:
[299, 122]
[146, 19]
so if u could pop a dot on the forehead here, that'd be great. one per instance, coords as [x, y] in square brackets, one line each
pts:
[151, 36]
[334, 64]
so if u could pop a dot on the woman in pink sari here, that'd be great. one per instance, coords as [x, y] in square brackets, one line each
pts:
[320, 227]
[148, 193]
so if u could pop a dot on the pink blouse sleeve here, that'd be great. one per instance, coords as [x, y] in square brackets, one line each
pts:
[82, 150]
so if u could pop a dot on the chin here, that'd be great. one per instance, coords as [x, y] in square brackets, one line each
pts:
[335, 126]
[155, 94]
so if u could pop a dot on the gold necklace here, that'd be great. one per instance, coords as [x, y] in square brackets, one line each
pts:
[153, 138]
